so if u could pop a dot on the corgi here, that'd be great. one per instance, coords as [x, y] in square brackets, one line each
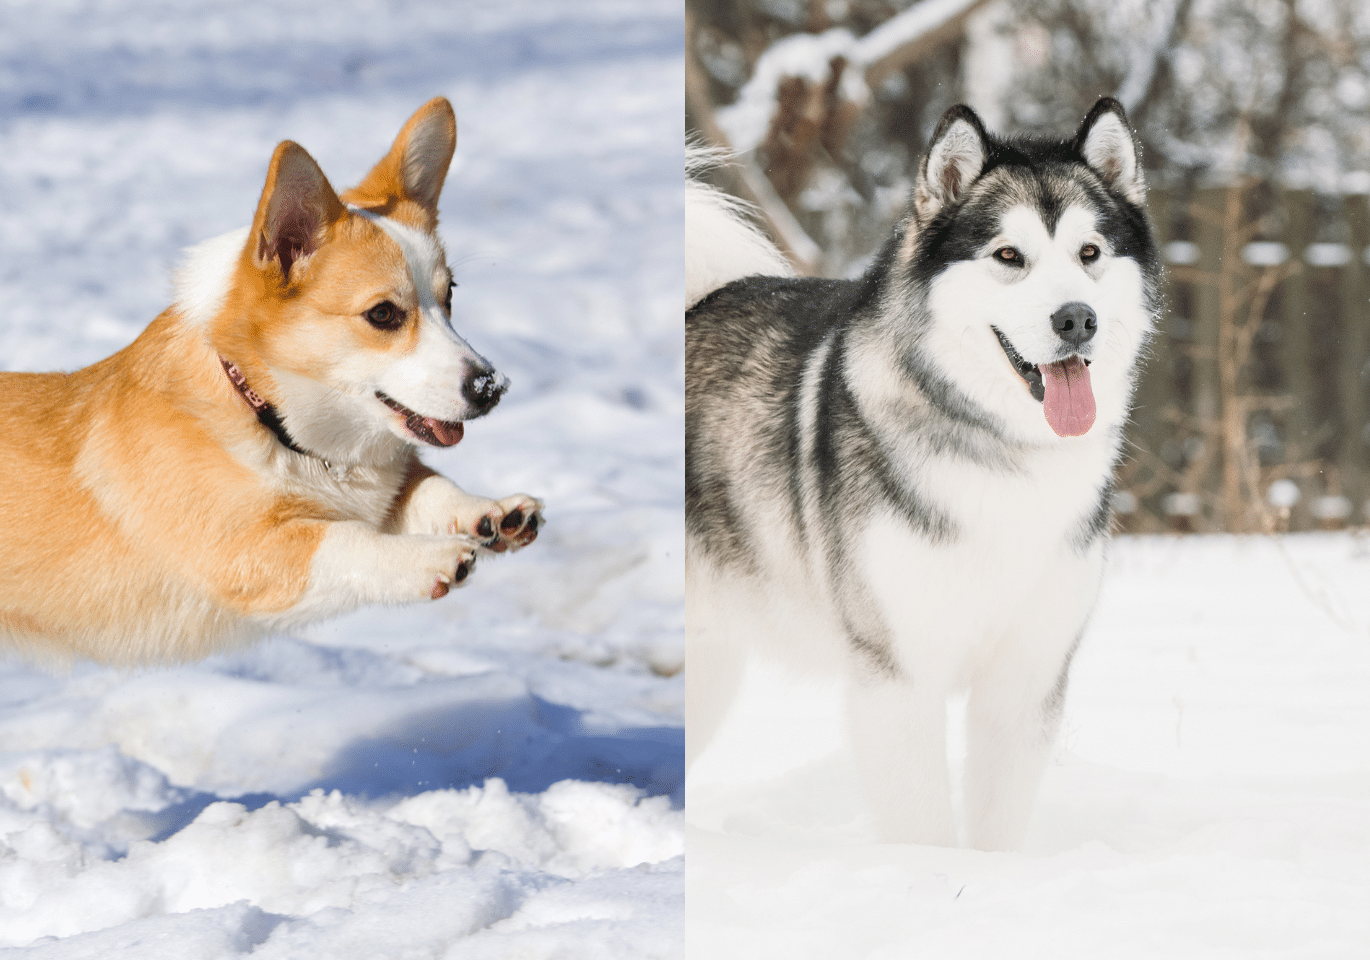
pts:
[249, 464]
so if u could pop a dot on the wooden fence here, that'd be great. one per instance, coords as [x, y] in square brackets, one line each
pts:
[1254, 409]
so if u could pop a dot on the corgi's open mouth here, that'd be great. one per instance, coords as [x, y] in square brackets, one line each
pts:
[1063, 389]
[440, 433]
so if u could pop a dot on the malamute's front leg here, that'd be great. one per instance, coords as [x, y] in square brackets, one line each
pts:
[1011, 721]
[432, 504]
[899, 735]
[715, 674]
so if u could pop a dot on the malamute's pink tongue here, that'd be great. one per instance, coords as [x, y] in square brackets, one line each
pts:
[440, 433]
[1069, 400]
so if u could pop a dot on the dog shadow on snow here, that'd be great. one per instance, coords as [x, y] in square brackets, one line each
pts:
[528, 742]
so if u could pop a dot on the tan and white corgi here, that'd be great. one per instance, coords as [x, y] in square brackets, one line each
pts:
[249, 463]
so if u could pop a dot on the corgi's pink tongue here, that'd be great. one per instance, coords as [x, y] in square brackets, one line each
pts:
[440, 433]
[1069, 400]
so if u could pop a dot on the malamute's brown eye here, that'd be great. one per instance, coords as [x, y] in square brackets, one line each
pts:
[385, 316]
[1089, 253]
[1009, 255]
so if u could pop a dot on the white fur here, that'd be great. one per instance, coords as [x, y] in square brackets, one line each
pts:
[355, 566]
[720, 247]
[788, 619]
[1111, 151]
[428, 379]
[994, 612]
[997, 611]
[201, 281]
[336, 413]
[972, 296]
[433, 504]
[991, 613]
[389, 559]
[358, 562]
[952, 163]
[338, 420]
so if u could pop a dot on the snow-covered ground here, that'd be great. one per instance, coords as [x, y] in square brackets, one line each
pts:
[496, 774]
[1210, 796]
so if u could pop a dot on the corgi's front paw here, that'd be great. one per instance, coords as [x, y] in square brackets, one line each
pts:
[507, 524]
[355, 564]
[450, 565]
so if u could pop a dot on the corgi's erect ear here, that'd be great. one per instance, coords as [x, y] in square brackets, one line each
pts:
[297, 204]
[416, 166]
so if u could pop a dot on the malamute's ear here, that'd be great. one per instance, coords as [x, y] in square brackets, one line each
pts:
[1106, 143]
[955, 158]
[297, 204]
[416, 165]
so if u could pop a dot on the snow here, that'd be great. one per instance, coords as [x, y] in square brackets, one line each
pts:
[1210, 795]
[495, 774]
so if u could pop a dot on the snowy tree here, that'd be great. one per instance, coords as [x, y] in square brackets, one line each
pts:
[1218, 89]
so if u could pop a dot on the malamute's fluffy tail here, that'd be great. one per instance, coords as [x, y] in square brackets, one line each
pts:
[720, 244]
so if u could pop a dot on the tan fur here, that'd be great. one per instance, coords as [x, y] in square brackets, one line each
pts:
[396, 187]
[146, 514]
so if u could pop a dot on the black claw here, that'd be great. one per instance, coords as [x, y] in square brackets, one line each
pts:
[533, 523]
[486, 528]
[512, 521]
[461, 573]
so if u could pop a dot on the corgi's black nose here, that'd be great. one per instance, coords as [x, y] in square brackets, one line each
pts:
[1075, 323]
[482, 389]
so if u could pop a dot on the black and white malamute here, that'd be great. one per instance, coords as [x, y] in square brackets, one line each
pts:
[906, 478]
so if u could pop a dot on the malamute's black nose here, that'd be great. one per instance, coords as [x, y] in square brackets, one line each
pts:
[1075, 323]
[482, 389]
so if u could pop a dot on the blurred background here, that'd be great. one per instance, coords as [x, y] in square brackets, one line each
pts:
[1252, 414]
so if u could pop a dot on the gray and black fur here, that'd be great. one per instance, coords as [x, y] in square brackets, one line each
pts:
[820, 410]
[773, 326]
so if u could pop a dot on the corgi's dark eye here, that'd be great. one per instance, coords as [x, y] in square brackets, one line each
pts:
[447, 303]
[1089, 253]
[1009, 255]
[385, 316]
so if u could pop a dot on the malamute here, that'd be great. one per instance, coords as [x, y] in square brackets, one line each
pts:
[906, 478]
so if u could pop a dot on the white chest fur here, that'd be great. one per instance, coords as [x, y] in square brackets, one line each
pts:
[1016, 573]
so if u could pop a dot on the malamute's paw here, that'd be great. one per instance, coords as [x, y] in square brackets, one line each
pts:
[453, 564]
[510, 523]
